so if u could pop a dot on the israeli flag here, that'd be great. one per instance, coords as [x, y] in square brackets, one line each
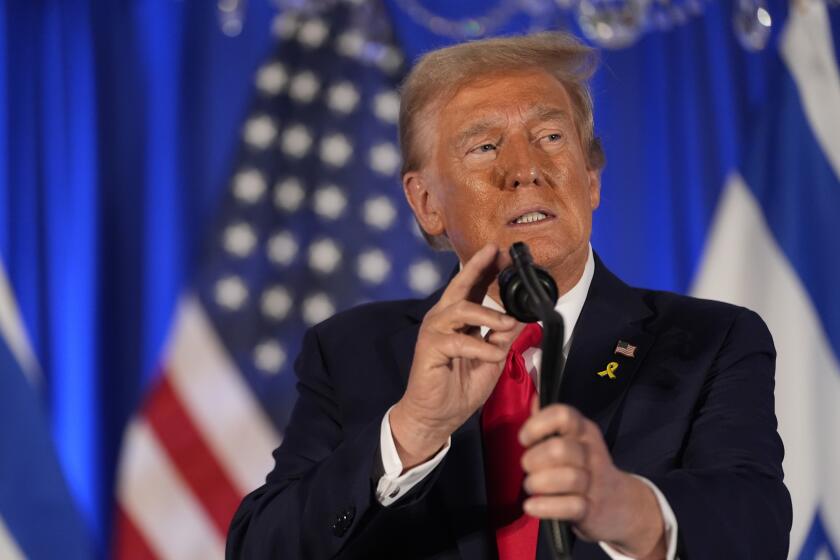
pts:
[38, 518]
[774, 247]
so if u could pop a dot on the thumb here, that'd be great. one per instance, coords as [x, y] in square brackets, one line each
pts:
[504, 339]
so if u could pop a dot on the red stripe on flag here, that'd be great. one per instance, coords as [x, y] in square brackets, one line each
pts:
[129, 544]
[191, 455]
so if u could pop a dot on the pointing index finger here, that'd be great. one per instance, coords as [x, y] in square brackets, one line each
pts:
[475, 277]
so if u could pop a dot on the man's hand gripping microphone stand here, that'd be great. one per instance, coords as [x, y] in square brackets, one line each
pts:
[529, 294]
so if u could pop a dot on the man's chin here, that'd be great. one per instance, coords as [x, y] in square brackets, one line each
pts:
[560, 259]
[546, 250]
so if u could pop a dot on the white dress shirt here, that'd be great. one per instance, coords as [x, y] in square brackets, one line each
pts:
[395, 483]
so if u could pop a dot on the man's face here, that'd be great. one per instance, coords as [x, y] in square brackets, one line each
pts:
[506, 164]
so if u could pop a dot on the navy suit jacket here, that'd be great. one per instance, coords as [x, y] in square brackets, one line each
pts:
[692, 411]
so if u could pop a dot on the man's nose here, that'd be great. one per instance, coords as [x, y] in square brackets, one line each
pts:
[521, 166]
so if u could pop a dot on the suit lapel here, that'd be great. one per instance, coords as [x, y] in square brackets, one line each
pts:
[613, 312]
[402, 350]
[403, 341]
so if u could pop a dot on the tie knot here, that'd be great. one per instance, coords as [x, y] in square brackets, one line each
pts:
[531, 336]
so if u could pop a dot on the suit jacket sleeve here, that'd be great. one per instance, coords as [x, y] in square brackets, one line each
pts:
[728, 497]
[320, 495]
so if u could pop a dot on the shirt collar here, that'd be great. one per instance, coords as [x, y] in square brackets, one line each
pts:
[569, 305]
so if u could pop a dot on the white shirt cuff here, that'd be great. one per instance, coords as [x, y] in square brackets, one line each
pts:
[394, 485]
[670, 526]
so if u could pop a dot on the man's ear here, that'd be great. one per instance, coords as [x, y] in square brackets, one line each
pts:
[594, 176]
[423, 203]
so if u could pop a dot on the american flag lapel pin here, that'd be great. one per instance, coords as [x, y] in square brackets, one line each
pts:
[625, 349]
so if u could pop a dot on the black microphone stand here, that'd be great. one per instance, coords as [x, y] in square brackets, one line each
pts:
[539, 305]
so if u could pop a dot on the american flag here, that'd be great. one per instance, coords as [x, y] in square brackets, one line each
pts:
[625, 349]
[313, 222]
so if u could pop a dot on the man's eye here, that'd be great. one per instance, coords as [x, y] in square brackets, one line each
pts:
[554, 137]
[484, 148]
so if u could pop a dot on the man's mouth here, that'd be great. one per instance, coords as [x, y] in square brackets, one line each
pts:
[531, 218]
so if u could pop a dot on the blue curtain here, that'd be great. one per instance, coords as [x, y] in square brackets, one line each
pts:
[118, 125]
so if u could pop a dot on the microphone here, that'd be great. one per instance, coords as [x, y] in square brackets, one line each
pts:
[529, 294]
[517, 286]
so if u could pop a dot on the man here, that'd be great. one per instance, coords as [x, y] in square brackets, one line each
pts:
[413, 435]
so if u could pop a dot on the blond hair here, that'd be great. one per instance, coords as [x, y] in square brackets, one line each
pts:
[439, 74]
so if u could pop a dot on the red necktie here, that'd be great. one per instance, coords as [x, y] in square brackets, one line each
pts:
[503, 414]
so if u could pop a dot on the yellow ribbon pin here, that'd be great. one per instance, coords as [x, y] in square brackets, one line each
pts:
[611, 367]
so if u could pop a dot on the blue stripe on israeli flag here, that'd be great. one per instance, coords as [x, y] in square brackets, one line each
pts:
[38, 518]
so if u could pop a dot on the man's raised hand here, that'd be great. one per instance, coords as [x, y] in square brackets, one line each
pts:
[454, 369]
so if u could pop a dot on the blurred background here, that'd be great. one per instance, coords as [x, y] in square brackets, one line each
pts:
[186, 186]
